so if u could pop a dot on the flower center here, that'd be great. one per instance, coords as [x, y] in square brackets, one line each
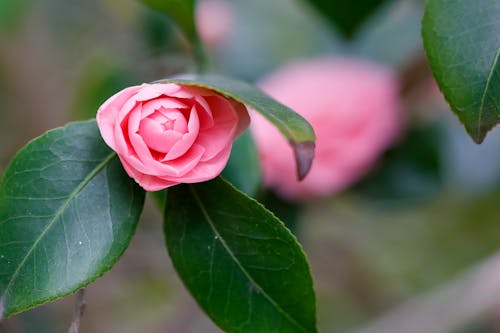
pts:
[163, 128]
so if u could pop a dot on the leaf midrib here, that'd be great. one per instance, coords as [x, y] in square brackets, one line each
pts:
[59, 212]
[486, 89]
[240, 266]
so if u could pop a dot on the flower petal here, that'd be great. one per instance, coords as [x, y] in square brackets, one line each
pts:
[223, 132]
[108, 113]
[156, 137]
[208, 169]
[152, 91]
[150, 107]
[147, 182]
[182, 146]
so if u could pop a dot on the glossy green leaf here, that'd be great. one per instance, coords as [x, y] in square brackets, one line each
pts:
[462, 42]
[181, 11]
[243, 169]
[67, 213]
[241, 264]
[347, 15]
[294, 127]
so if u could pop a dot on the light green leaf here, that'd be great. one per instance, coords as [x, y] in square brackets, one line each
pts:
[462, 42]
[294, 127]
[241, 264]
[67, 213]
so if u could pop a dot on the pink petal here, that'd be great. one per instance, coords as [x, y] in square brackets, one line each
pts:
[167, 170]
[181, 146]
[191, 91]
[148, 182]
[223, 132]
[181, 124]
[209, 169]
[156, 137]
[108, 113]
[126, 109]
[151, 91]
[216, 139]
[122, 140]
[150, 107]
[185, 163]
[204, 113]
[243, 117]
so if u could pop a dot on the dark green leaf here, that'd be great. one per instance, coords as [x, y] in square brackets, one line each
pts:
[286, 211]
[157, 32]
[462, 41]
[409, 171]
[243, 169]
[67, 213]
[181, 11]
[294, 127]
[347, 15]
[241, 264]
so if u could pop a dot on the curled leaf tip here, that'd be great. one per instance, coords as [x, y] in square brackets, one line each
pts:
[478, 139]
[304, 155]
[478, 135]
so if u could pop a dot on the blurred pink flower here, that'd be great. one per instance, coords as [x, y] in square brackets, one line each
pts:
[353, 107]
[215, 21]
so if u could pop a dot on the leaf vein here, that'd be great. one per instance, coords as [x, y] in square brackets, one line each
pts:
[486, 89]
[59, 212]
[240, 266]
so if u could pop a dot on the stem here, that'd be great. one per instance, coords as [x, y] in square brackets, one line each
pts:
[78, 311]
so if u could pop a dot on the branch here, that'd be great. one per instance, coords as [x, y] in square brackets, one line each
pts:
[78, 311]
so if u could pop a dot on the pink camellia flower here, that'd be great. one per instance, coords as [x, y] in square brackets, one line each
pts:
[354, 109]
[166, 134]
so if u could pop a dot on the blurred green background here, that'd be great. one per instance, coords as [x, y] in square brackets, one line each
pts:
[419, 235]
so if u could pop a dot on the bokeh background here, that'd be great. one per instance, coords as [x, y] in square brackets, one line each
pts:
[411, 247]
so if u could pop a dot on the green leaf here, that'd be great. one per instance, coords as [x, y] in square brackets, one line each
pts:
[462, 42]
[412, 170]
[67, 213]
[294, 127]
[243, 169]
[286, 211]
[241, 264]
[347, 15]
[181, 11]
